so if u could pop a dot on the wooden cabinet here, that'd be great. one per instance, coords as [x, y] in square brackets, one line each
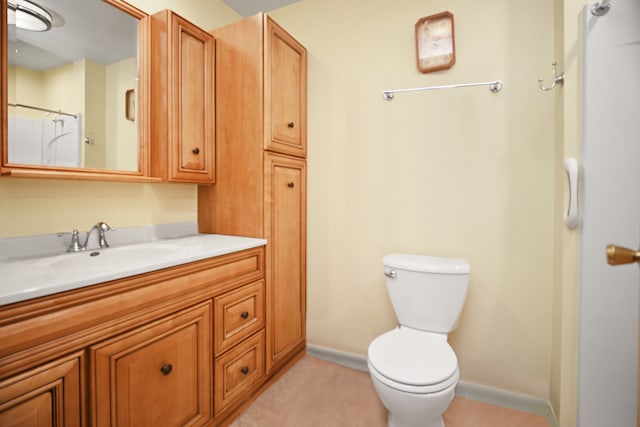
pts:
[48, 395]
[260, 188]
[285, 92]
[285, 219]
[138, 351]
[182, 100]
[159, 374]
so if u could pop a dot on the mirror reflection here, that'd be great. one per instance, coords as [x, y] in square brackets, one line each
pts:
[72, 84]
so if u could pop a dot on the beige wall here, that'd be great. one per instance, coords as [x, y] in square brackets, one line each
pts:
[56, 89]
[121, 149]
[94, 97]
[462, 173]
[28, 83]
[566, 292]
[60, 87]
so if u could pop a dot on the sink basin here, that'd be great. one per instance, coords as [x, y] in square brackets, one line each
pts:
[26, 278]
[111, 257]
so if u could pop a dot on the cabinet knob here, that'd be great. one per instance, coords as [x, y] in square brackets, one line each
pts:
[244, 314]
[290, 185]
[290, 125]
[166, 369]
[244, 370]
[196, 150]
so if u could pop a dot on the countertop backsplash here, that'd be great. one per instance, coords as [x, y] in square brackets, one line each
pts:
[12, 248]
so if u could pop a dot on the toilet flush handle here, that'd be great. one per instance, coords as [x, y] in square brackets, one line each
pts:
[390, 273]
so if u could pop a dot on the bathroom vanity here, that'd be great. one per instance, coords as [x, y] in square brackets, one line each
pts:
[159, 341]
[177, 345]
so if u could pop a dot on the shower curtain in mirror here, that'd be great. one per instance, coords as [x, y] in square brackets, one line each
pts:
[53, 140]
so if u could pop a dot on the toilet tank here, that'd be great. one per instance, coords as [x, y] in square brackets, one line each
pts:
[427, 292]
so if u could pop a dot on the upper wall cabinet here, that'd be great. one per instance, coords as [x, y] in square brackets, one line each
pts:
[182, 100]
[285, 90]
[74, 96]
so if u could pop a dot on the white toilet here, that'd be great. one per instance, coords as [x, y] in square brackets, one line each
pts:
[413, 368]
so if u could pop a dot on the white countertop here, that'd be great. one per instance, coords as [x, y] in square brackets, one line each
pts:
[23, 279]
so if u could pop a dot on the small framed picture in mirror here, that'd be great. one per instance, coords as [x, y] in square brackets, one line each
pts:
[130, 105]
[435, 42]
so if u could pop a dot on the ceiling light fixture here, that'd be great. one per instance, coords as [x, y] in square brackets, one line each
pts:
[29, 16]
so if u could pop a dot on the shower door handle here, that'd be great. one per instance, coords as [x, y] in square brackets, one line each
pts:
[617, 255]
[572, 220]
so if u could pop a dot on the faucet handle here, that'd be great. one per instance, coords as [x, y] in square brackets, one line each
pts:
[75, 245]
[103, 227]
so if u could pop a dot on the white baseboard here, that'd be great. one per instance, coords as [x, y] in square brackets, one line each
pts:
[465, 389]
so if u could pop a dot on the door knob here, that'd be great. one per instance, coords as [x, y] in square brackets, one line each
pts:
[617, 255]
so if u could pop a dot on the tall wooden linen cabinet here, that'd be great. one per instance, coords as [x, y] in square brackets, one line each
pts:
[260, 188]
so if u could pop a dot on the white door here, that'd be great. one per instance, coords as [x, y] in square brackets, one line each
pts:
[609, 296]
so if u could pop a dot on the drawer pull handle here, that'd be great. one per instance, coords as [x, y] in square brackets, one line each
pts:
[166, 369]
[290, 184]
[196, 150]
[290, 125]
[245, 370]
[244, 314]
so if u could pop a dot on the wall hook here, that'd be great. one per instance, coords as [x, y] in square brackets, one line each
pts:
[558, 79]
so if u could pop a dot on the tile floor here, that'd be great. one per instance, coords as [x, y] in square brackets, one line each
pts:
[316, 393]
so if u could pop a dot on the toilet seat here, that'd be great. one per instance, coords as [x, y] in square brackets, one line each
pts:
[413, 361]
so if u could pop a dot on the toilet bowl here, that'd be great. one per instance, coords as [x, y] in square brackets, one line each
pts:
[415, 374]
[413, 368]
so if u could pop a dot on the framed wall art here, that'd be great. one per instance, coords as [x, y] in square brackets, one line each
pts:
[130, 105]
[435, 42]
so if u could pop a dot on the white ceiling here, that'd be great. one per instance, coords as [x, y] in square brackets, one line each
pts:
[95, 30]
[251, 7]
[89, 29]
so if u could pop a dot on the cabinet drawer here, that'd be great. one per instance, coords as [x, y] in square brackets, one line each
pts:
[238, 314]
[238, 370]
[159, 374]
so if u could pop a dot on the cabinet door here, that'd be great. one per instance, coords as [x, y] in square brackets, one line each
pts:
[285, 92]
[192, 83]
[157, 375]
[50, 395]
[285, 224]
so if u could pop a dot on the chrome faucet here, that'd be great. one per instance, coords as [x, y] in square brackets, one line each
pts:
[102, 228]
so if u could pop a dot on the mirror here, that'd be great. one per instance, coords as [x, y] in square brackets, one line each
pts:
[73, 89]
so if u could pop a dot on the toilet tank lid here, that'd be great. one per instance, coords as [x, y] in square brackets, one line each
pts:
[427, 264]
